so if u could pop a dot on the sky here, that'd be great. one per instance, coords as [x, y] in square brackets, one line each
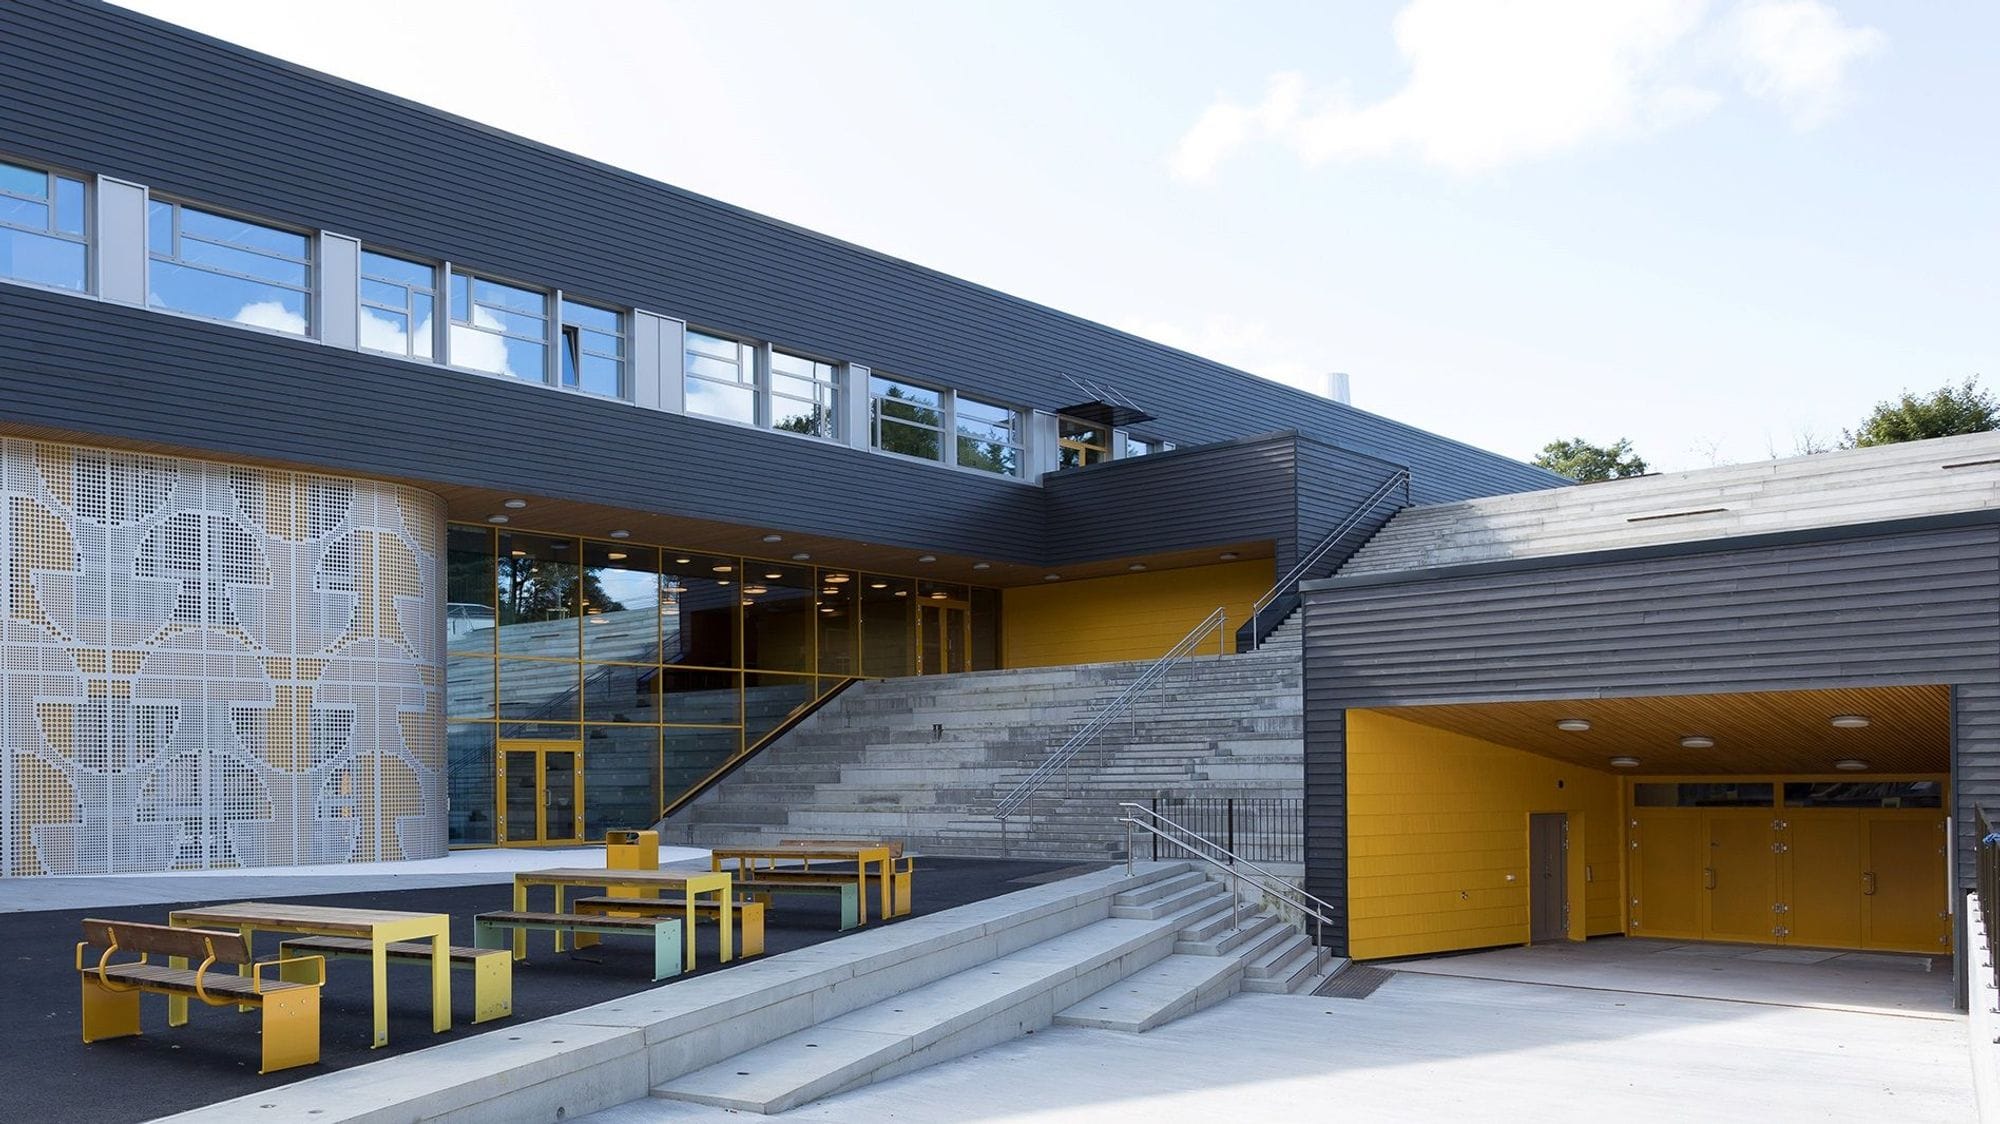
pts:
[1723, 230]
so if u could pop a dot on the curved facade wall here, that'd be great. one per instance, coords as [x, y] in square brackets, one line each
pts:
[212, 665]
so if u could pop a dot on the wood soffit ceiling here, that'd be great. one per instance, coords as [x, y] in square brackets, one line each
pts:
[1776, 732]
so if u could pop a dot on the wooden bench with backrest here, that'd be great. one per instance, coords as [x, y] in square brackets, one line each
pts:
[496, 930]
[748, 915]
[492, 968]
[111, 990]
[902, 870]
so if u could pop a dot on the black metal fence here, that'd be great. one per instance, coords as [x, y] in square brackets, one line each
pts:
[1262, 829]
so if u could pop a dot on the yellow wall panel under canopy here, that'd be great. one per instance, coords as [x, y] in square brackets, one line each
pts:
[1128, 617]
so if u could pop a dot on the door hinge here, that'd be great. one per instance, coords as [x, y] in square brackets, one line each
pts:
[1779, 848]
[1780, 907]
[1780, 931]
[1779, 825]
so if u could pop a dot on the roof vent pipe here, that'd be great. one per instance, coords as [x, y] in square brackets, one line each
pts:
[1336, 388]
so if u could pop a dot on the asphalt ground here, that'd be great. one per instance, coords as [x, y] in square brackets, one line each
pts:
[47, 1073]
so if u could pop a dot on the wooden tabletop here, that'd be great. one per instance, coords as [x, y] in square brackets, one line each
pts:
[799, 850]
[324, 917]
[599, 876]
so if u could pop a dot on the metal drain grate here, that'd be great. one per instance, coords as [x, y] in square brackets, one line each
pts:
[1356, 981]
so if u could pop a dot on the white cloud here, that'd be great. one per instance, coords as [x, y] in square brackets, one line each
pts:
[271, 314]
[1493, 84]
[1797, 53]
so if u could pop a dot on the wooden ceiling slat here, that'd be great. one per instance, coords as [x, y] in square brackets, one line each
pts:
[1767, 732]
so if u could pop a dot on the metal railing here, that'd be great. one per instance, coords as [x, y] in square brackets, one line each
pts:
[1215, 623]
[1281, 599]
[1988, 883]
[1268, 829]
[1288, 899]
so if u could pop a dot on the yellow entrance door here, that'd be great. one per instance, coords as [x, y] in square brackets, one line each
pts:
[1823, 901]
[1741, 876]
[944, 637]
[1903, 887]
[541, 792]
[1667, 878]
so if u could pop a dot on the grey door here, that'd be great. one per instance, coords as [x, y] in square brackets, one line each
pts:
[1548, 876]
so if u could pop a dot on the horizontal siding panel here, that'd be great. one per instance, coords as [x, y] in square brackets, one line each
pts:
[109, 91]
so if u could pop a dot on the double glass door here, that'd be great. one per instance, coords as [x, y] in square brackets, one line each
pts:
[944, 637]
[541, 792]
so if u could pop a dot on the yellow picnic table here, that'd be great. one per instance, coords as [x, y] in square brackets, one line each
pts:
[380, 927]
[861, 854]
[691, 883]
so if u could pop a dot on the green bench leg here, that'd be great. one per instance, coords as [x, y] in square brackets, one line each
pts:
[850, 906]
[666, 950]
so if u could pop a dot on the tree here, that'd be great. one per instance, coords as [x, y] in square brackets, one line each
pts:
[1587, 463]
[1945, 412]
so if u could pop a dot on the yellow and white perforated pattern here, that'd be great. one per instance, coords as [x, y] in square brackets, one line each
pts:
[208, 665]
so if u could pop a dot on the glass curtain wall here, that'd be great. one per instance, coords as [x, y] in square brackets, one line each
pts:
[657, 665]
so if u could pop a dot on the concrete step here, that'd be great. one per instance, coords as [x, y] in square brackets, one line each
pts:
[1158, 993]
[1226, 919]
[1281, 969]
[992, 1002]
[1253, 934]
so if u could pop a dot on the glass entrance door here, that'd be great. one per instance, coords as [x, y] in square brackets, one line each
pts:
[541, 792]
[944, 637]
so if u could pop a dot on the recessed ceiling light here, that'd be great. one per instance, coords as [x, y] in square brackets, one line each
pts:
[1850, 764]
[926, 557]
[1051, 577]
[828, 609]
[1625, 762]
[756, 589]
[1136, 567]
[940, 595]
[1849, 721]
[878, 585]
[1573, 725]
[1229, 556]
[515, 504]
[596, 616]
[723, 569]
[830, 591]
[520, 554]
[801, 556]
[982, 565]
[621, 534]
[774, 575]
[616, 556]
[774, 538]
[1697, 741]
[496, 519]
[902, 593]
[836, 579]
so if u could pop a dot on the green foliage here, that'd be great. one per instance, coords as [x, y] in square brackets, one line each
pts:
[1587, 463]
[1946, 411]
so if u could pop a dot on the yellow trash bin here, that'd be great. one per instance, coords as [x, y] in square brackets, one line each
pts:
[631, 850]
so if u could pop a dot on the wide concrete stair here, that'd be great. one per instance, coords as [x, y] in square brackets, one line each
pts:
[925, 760]
[1106, 948]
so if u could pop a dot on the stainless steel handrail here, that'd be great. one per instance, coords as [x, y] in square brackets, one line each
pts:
[1313, 557]
[1215, 622]
[1287, 895]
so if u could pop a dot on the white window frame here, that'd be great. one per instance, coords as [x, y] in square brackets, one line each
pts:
[749, 362]
[1019, 444]
[439, 302]
[947, 443]
[451, 272]
[623, 356]
[87, 239]
[310, 290]
[835, 383]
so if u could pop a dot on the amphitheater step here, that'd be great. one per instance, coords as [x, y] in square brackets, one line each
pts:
[1159, 993]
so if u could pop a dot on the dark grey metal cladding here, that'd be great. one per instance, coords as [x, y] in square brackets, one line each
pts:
[1914, 603]
[106, 90]
[82, 366]
[1332, 483]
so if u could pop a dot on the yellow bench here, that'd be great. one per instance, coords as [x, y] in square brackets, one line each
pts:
[902, 871]
[492, 968]
[749, 915]
[111, 991]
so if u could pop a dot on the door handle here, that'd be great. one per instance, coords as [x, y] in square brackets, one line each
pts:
[1868, 882]
[1708, 878]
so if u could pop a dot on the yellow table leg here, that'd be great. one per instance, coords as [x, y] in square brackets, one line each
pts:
[520, 906]
[559, 908]
[688, 930]
[378, 958]
[441, 979]
[888, 894]
[724, 913]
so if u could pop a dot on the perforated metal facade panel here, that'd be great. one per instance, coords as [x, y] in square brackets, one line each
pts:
[210, 665]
